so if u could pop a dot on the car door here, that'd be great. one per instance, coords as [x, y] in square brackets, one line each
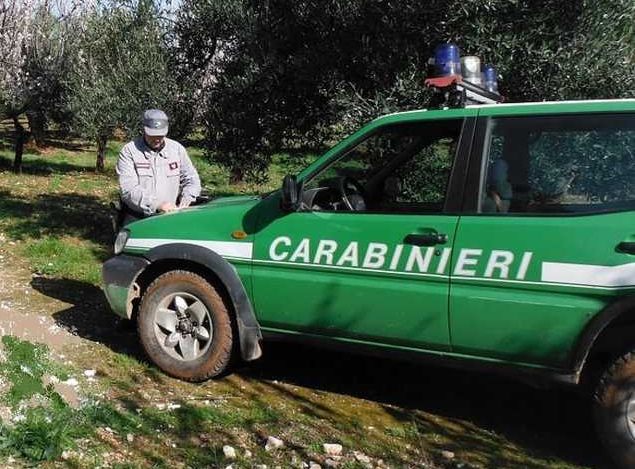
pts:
[367, 256]
[540, 255]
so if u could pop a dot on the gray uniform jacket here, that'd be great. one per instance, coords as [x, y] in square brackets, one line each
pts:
[148, 178]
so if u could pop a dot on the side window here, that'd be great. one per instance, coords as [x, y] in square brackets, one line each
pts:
[401, 168]
[560, 164]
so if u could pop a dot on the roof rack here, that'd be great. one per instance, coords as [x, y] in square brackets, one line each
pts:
[452, 91]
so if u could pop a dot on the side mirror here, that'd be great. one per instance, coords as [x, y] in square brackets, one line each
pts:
[290, 200]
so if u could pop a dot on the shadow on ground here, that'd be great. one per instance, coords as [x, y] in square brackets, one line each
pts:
[84, 216]
[89, 315]
[545, 424]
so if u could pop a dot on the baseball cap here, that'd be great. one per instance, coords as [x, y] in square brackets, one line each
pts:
[155, 122]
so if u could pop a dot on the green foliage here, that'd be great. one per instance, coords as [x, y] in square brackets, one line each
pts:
[121, 67]
[43, 434]
[44, 429]
[24, 367]
[305, 73]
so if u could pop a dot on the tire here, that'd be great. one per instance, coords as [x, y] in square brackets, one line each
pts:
[184, 327]
[614, 410]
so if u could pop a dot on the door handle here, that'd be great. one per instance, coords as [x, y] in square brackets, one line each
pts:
[626, 246]
[426, 239]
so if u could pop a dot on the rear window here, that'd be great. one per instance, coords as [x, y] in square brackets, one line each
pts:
[561, 164]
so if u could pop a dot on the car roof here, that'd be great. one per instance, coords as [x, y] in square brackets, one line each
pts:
[515, 109]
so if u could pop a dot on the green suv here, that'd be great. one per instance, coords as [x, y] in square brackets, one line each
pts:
[499, 236]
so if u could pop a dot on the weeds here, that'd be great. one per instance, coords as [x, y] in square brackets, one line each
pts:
[24, 367]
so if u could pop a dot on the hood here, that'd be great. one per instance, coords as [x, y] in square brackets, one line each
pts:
[215, 220]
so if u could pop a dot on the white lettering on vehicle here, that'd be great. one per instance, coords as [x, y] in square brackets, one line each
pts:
[524, 265]
[422, 262]
[466, 259]
[469, 262]
[273, 254]
[350, 255]
[499, 260]
[326, 248]
[375, 256]
[301, 252]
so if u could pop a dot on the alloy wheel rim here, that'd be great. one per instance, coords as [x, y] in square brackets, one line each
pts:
[183, 326]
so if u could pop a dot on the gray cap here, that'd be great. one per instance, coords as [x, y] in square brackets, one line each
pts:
[155, 122]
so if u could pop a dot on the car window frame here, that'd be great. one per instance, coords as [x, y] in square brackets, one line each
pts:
[456, 180]
[475, 181]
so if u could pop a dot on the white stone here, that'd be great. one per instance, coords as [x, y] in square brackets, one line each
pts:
[260, 466]
[273, 443]
[361, 457]
[71, 382]
[129, 437]
[447, 454]
[89, 373]
[229, 452]
[314, 465]
[332, 449]
[248, 454]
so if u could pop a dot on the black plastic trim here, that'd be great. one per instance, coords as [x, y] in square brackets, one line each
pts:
[595, 327]
[456, 184]
[533, 376]
[121, 270]
[473, 172]
[248, 327]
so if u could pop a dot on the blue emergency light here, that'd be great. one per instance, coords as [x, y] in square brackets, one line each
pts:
[447, 60]
[458, 81]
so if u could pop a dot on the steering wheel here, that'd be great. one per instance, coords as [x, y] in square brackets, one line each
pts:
[352, 193]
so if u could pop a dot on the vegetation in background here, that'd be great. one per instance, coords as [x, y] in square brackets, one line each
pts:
[121, 67]
[286, 76]
[298, 74]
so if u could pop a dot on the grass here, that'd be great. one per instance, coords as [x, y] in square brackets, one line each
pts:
[54, 219]
[59, 207]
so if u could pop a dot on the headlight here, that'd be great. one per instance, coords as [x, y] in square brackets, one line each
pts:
[120, 241]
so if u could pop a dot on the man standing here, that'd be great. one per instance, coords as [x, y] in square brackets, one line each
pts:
[155, 172]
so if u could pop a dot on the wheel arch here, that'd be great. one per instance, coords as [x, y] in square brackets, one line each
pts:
[608, 335]
[217, 271]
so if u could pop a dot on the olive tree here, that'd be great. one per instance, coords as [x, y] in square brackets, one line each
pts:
[121, 67]
[36, 38]
[15, 33]
[288, 73]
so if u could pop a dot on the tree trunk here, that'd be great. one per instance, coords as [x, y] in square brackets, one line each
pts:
[21, 137]
[37, 124]
[101, 151]
[236, 175]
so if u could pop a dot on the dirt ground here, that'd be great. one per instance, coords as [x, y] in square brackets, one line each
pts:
[24, 311]
[73, 317]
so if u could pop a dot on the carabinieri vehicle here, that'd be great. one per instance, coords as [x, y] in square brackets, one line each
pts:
[499, 236]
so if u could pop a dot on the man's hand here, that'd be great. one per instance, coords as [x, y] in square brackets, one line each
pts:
[185, 203]
[166, 207]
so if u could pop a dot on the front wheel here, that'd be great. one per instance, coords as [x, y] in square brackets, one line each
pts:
[184, 326]
[614, 410]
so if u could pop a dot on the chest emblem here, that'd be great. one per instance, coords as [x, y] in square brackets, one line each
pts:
[173, 165]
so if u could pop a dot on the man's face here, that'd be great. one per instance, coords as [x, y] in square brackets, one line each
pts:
[154, 141]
